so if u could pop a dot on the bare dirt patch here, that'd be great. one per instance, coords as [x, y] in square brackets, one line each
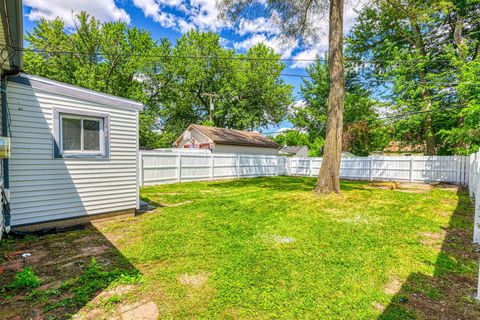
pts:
[446, 186]
[378, 306]
[454, 293]
[194, 280]
[60, 261]
[143, 310]
[387, 185]
[408, 187]
[433, 239]
[414, 187]
[393, 287]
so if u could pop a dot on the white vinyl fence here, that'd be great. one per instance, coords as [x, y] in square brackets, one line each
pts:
[474, 189]
[166, 167]
[452, 169]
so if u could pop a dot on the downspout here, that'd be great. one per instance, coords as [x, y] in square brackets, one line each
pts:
[5, 162]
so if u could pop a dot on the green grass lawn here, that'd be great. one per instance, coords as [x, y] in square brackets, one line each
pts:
[270, 248]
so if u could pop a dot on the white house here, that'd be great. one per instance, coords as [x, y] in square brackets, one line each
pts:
[74, 152]
[220, 140]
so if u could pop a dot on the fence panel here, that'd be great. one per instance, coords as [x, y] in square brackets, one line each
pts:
[451, 169]
[166, 167]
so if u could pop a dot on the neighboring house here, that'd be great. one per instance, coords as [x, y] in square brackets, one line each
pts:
[395, 148]
[74, 152]
[220, 140]
[294, 151]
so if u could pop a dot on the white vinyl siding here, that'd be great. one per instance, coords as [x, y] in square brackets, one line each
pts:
[44, 188]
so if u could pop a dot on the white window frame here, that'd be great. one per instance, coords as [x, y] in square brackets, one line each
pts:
[104, 129]
[82, 151]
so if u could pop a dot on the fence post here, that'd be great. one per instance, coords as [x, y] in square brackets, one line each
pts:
[310, 173]
[142, 174]
[238, 165]
[211, 167]
[276, 165]
[179, 167]
[471, 171]
[370, 174]
[476, 220]
[410, 175]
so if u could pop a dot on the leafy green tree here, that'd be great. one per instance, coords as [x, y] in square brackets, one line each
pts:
[358, 136]
[245, 90]
[292, 138]
[297, 19]
[178, 84]
[106, 57]
[418, 52]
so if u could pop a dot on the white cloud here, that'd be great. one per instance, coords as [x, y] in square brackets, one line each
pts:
[104, 10]
[320, 48]
[152, 9]
[205, 15]
[279, 46]
[258, 25]
[185, 26]
[198, 14]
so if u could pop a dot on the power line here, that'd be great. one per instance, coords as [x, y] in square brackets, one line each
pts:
[198, 57]
[400, 115]
[377, 80]
[234, 58]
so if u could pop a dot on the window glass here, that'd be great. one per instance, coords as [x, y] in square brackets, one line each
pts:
[71, 132]
[91, 135]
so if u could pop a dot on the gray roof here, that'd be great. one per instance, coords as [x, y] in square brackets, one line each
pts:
[69, 90]
[293, 149]
[235, 137]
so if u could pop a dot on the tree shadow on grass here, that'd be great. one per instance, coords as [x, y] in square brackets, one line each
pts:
[285, 184]
[448, 294]
[278, 183]
[76, 269]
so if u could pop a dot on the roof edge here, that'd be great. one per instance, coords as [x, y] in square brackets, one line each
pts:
[198, 127]
[69, 90]
[245, 145]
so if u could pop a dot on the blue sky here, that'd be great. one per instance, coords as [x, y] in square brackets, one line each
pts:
[170, 18]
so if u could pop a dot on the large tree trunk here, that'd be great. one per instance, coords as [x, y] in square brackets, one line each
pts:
[429, 132]
[329, 176]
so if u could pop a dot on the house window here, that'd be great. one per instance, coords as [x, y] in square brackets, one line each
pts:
[81, 136]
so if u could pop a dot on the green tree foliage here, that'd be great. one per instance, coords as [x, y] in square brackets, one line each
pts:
[296, 138]
[175, 83]
[359, 136]
[291, 138]
[245, 89]
[424, 56]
